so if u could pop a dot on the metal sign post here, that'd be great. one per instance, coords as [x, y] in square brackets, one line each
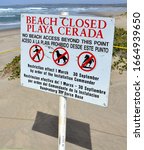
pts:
[62, 123]
[62, 115]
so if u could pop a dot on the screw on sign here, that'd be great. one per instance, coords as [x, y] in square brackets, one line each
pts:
[36, 53]
[86, 61]
[60, 56]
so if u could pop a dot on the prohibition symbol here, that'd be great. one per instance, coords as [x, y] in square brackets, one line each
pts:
[60, 56]
[86, 61]
[36, 53]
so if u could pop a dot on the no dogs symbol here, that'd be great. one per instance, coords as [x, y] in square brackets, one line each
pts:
[86, 61]
[36, 53]
[60, 56]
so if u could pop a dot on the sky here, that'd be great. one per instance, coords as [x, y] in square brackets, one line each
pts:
[13, 2]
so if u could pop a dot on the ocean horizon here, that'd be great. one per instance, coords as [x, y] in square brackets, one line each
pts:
[10, 14]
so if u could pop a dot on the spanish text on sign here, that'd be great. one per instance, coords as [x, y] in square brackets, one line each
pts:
[69, 56]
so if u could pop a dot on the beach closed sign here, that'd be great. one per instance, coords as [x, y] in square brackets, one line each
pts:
[69, 56]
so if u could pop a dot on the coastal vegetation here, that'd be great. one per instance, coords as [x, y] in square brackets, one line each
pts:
[120, 50]
[12, 69]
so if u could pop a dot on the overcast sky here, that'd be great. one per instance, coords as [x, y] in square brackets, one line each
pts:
[13, 2]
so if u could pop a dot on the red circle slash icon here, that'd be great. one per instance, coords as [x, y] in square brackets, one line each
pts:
[36, 53]
[86, 61]
[60, 56]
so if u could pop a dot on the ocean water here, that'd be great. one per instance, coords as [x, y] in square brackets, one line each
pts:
[10, 15]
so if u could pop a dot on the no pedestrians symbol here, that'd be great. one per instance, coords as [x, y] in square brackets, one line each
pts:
[60, 56]
[36, 53]
[86, 61]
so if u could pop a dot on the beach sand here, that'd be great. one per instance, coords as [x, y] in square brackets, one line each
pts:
[28, 118]
[121, 21]
[9, 40]
[120, 17]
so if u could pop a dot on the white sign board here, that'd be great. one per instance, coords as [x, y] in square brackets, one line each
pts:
[69, 56]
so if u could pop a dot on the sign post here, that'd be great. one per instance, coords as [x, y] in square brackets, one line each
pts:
[62, 123]
[62, 116]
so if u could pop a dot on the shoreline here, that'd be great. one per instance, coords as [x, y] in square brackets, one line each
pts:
[10, 29]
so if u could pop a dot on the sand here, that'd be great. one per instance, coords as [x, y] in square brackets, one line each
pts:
[9, 40]
[120, 17]
[28, 118]
[121, 21]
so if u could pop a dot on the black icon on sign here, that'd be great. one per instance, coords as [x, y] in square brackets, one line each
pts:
[37, 52]
[88, 61]
[61, 56]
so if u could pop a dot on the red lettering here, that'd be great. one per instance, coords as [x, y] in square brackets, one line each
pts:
[33, 20]
[28, 19]
[68, 31]
[60, 30]
[91, 33]
[102, 24]
[29, 27]
[53, 21]
[71, 22]
[40, 29]
[87, 25]
[93, 24]
[64, 21]
[40, 21]
[99, 34]
[46, 20]
[51, 31]
[83, 33]
[75, 32]
[32, 29]
[79, 23]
